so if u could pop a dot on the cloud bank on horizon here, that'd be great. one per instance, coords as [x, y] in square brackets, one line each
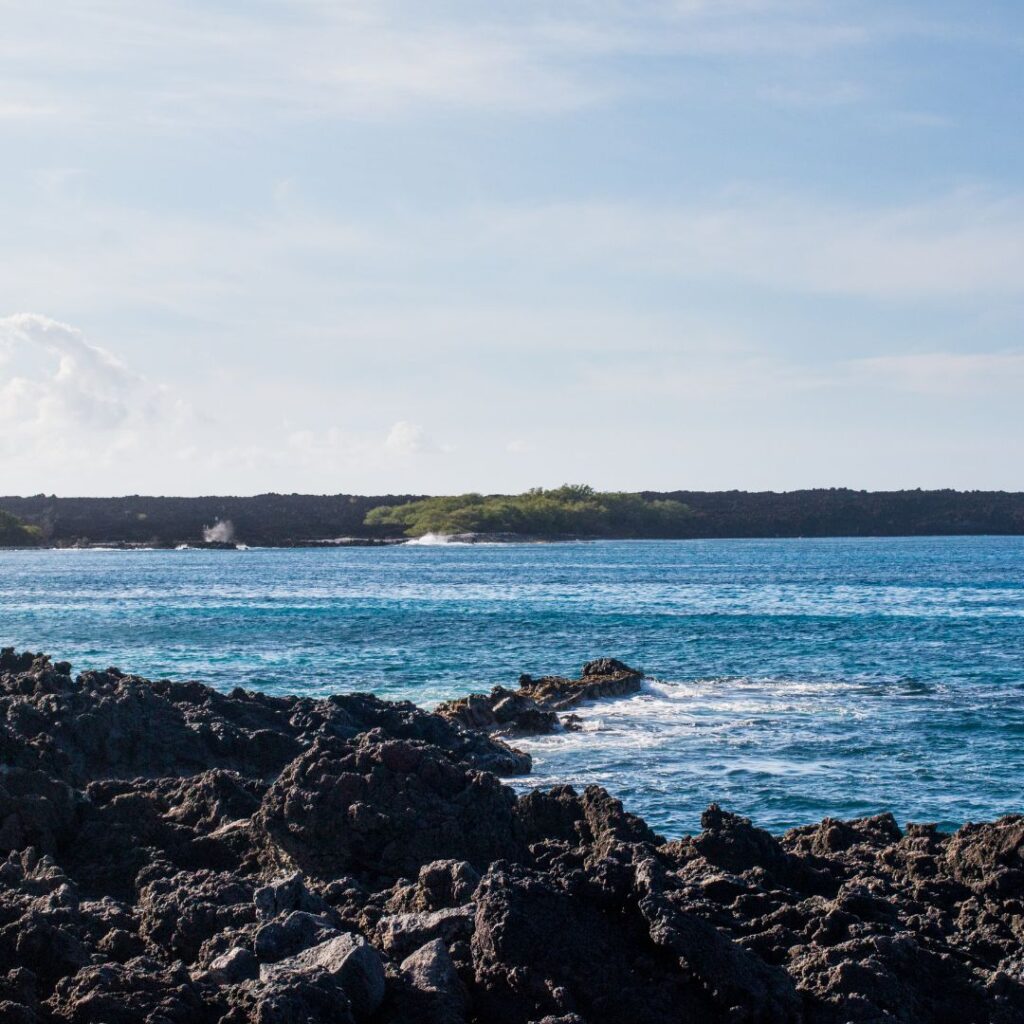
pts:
[427, 248]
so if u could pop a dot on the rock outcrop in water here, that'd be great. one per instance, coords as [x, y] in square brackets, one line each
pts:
[174, 855]
[533, 707]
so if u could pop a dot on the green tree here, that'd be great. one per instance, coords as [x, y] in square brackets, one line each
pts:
[572, 510]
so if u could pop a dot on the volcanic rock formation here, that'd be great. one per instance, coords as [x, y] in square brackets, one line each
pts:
[175, 855]
[533, 707]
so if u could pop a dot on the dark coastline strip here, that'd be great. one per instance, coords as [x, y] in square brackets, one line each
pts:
[177, 855]
[285, 520]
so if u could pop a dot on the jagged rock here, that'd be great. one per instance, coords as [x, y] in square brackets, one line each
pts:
[307, 997]
[281, 895]
[540, 948]
[731, 843]
[441, 883]
[179, 855]
[604, 677]
[990, 856]
[384, 808]
[299, 930]
[533, 708]
[595, 819]
[400, 934]
[437, 995]
[109, 724]
[142, 991]
[740, 984]
[179, 913]
[121, 945]
[18, 1002]
[35, 809]
[234, 966]
[349, 960]
[447, 883]
[501, 712]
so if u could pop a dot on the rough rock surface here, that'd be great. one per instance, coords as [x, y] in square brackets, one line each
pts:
[533, 707]
[172, 854]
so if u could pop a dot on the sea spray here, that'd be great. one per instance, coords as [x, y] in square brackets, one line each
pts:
[222, 532]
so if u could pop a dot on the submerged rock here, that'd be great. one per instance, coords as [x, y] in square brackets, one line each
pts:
[173, 854]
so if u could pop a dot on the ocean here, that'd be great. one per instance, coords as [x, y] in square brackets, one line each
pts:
[790, 679]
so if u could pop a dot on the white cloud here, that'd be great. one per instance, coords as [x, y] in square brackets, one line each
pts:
[406, 438]
[73, 416]
[76, 419]
[58, 391]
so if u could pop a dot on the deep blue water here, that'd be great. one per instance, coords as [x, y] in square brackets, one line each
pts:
[795, 678]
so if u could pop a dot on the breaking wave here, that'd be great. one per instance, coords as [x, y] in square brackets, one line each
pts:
[222, 532]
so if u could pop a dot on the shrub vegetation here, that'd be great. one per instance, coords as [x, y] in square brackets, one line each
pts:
[573, 510]
[14, 533]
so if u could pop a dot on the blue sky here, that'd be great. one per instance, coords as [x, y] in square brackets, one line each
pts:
[445, 246]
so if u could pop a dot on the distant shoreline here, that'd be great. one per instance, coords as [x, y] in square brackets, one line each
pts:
[316, 545]
[567, 514]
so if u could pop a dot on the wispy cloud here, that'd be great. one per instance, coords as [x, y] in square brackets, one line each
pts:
[965, 243]
[13, 110]
[946, 373]
[710, 380]
[186, 62]
[965, 246]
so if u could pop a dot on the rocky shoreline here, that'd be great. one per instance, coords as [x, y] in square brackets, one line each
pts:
[178, 855]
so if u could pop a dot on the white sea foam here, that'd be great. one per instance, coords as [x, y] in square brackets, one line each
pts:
[668, 722]
[431, 540]
[448, 540]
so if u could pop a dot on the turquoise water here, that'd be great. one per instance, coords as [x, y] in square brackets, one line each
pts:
[793, 678]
